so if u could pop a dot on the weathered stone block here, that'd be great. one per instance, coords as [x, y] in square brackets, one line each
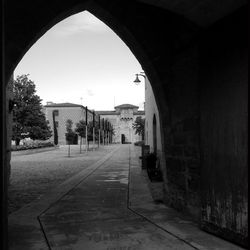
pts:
[193, 166]
[190, 124]
[180, 139]
[178, 180]
[194, 183]
[191, 151]
[175, 165]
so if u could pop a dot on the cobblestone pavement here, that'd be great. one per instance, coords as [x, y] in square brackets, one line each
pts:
[34, 174]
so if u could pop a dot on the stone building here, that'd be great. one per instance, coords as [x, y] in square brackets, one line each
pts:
[152, 121]
[63, 112]
[122, 119]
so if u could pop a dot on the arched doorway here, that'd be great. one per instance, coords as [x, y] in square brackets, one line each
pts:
[122, 138]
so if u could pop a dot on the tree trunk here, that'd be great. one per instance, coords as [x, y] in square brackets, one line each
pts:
[69, 150]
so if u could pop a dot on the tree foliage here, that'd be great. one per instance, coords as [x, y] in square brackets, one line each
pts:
[69, 124]
[55, 128]
[28, 118]
[70, 135]
[81, 128]
[90, 131]
[139, 126]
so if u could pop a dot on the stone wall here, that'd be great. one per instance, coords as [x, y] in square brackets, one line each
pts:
[224, 143]
[64, 113]
[9, 118]
[151, 110]
[182, 137]
[122, 127]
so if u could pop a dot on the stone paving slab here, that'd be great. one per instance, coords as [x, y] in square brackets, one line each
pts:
[24, 228]
[109, 207]
[165, 217]
[95, 215]
[34, 175]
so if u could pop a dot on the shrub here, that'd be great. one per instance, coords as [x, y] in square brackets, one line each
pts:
[153, 169]
[33, 145]
[139, 143]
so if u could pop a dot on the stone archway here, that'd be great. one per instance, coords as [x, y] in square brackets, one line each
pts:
[177, 49]
[110, 16]
[102, 14]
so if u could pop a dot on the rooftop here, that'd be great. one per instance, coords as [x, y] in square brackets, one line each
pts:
[126, 106]
[65, 104]
[106, 112]
[139, 112]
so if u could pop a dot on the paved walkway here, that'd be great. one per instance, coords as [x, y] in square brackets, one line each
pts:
[36, 172]
[106, 206]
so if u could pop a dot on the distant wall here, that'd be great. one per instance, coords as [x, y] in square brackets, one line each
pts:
[75, 114]
[122, 127]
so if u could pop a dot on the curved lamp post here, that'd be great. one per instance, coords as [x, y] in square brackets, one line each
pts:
[137, 80]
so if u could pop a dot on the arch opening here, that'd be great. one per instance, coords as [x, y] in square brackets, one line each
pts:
[126, 118]
[184, 88]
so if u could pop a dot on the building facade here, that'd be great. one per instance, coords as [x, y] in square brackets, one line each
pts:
[63, 112]
[122, 119]
[152, 121]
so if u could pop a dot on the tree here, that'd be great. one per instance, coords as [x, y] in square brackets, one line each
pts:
[139, 126]
[112, 133]
[28, 118]
[81, 130]
[70, 135]
[55, 128]
[90, 131]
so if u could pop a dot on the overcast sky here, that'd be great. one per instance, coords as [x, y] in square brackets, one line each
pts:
[81, 60]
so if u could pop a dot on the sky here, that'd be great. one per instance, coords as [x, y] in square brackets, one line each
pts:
[82, 61]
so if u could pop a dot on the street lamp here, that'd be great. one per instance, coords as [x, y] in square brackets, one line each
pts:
[137, 80]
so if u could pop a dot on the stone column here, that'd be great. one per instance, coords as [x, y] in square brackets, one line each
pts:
[9, 117]
[6, 129]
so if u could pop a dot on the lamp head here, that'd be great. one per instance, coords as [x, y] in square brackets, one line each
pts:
[137, 80]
